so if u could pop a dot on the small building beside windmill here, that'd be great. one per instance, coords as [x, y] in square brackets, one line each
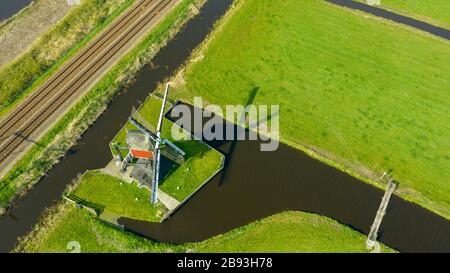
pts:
[142, 150]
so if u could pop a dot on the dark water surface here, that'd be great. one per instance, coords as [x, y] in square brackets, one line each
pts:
[10, 7]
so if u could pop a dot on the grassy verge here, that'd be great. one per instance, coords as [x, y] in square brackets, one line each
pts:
[117, 197]
[54, 144]
[284, 232]
[433, 11]
[368, 98]
[53, 48]
[201, 161]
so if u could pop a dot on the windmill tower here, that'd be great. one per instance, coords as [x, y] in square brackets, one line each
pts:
[146, 147]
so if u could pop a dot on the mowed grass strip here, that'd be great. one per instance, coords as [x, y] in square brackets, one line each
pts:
[284, 232]
[364, 90]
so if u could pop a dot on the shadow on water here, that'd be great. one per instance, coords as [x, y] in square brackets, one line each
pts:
[259, 184]
[10, 7]
[92, 151]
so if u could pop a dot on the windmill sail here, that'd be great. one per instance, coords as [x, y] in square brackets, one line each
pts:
[169, 153]
[146, 131]
[158, 150]
[156, 168]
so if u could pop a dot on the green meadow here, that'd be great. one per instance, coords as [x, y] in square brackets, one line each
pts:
[434, 11]
[368, 94]
[201, 161]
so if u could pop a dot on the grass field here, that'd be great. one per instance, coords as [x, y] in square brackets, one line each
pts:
[200, 163]
[434, 11]
[70, 224]
[284, 232]
[118, 197]
[54, 144]
[372, 95]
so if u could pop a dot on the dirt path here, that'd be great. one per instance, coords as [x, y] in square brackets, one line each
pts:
[19, 33]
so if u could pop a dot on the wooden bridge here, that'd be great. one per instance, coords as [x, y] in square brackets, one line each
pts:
[373, 234]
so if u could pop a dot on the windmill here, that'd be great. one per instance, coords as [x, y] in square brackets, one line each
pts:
[147, 147]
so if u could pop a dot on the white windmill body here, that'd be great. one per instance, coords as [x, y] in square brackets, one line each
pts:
[145, 148]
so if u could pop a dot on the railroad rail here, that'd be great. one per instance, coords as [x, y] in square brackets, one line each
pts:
[28, 117]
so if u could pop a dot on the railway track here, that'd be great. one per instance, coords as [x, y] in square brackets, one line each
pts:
[39, 108]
